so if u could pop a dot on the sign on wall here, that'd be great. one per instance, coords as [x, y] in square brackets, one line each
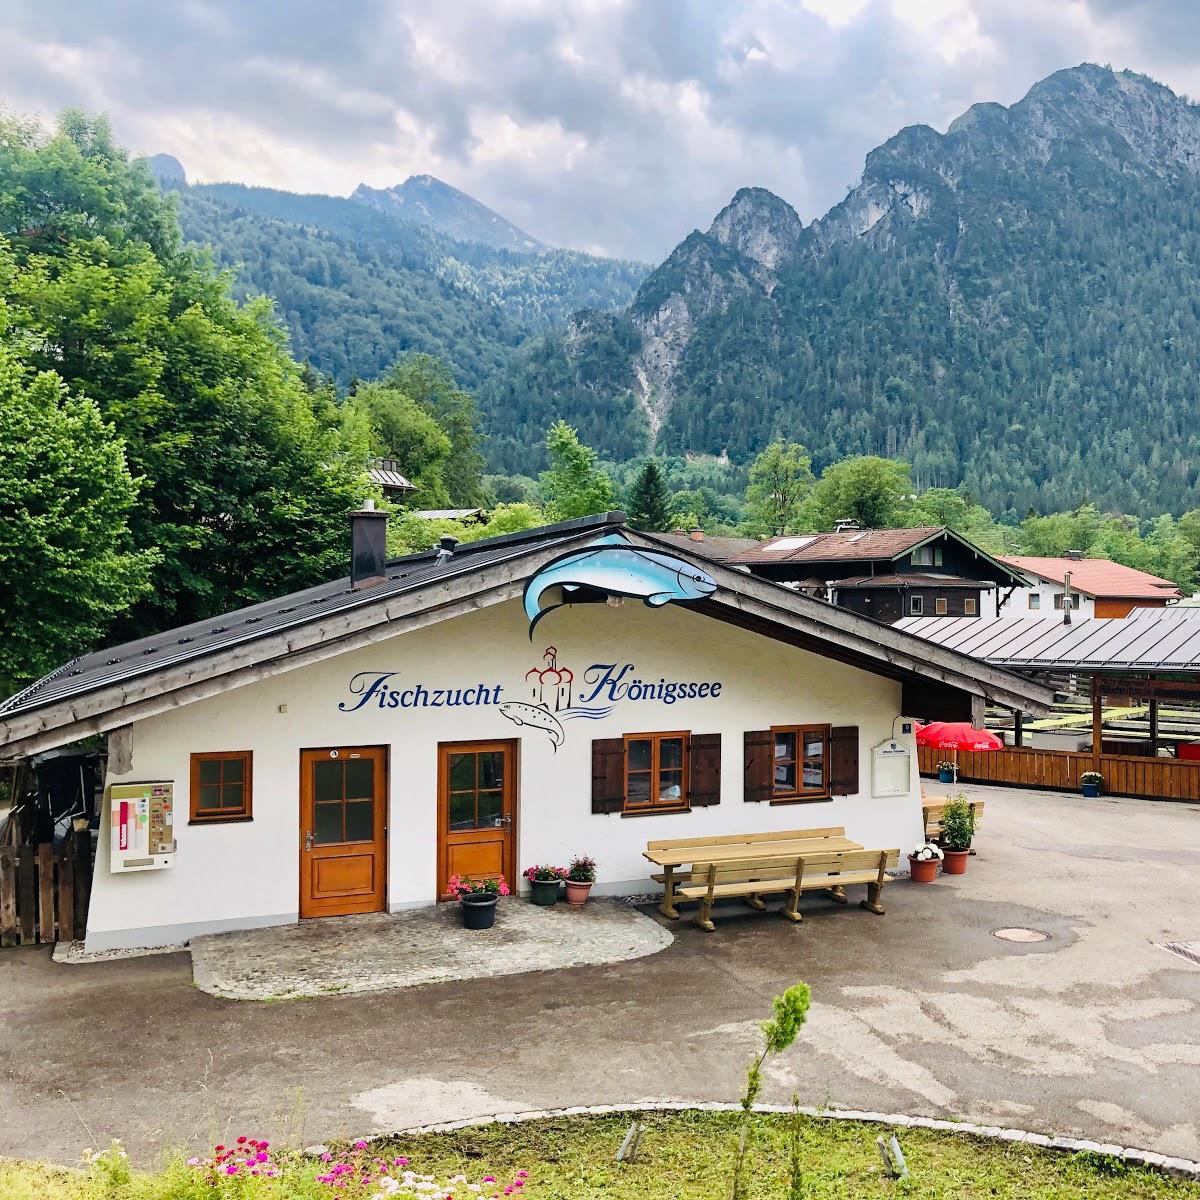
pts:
[549, 694]
[891, 773]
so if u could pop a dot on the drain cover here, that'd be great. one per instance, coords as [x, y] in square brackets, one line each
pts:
[1017, 934]
[1186, 950]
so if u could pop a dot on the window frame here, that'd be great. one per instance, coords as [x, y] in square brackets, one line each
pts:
[220, 816]
[1034, 602]
[941, 606]
[655, 738]
[802, 795]
[970, 606]
[1060, 601]
[916, 606]
[922, 556]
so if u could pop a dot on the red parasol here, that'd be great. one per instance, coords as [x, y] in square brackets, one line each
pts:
[956, 736]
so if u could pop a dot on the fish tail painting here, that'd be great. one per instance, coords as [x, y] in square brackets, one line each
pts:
[613, 567]
[536, 716]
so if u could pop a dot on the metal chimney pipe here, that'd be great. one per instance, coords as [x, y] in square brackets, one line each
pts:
[1066, 598]
[368, 546]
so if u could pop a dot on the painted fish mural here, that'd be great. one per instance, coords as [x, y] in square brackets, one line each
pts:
[536, 716]
[612, 566]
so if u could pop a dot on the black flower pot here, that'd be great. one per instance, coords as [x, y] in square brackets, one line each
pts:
[543, 891]
[479, 912]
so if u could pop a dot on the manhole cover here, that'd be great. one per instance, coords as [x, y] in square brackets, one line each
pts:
[1017, 934]
[1186, 950]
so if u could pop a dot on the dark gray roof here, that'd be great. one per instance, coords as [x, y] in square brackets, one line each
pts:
[1168, 640]
[147, 655]
[386, 472]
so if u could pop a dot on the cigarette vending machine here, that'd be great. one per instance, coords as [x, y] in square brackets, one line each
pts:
[141, 826]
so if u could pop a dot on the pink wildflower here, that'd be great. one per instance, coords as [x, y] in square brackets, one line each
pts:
[232, 1169]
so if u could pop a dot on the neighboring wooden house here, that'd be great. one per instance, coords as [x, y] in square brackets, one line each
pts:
[886, 573]
[1098, 587]
[386, 473]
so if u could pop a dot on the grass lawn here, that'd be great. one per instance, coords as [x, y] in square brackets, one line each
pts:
[683, 1157]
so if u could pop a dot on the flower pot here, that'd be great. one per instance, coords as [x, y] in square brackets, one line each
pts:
[945, 776]
[955, 862]
[924, 870]
[1090, 789]
[543, 891]
[577, 893]
[479, 912]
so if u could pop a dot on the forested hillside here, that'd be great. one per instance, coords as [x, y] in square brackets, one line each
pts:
[1014, 305]
[357, 286]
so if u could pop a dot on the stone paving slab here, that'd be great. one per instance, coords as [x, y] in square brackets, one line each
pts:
[382, 951]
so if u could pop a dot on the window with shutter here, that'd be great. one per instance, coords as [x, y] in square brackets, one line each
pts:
[759, 749]
[800, 763]
[843, 760]
[704, 769]
[608, 775]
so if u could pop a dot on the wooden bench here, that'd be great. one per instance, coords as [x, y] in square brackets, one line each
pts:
[932, 814]
[817, 870]
[673, 853]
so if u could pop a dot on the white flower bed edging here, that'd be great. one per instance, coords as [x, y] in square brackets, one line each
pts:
[1179, 1168]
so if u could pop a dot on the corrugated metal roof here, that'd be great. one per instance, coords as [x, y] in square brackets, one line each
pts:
[202, 638]
[386, 472]
[446, 514]
[1170, 641]
[1097, 577]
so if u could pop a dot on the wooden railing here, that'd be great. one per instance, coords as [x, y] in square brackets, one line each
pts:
[44, 890]
[1059, 770]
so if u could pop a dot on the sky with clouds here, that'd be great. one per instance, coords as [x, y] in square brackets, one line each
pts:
[614, 126]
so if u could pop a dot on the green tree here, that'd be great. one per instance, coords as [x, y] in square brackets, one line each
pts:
[428, 382]
[649, 499]
[400, 428]
[66, 566]
[780, 481]
[248, 475]
[575, 485]
[867, 489]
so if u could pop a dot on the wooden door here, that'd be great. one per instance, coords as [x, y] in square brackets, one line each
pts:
[343, 830]
[476, 811]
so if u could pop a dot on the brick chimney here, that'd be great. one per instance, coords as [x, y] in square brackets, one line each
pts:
[697, 534]
[368, 546]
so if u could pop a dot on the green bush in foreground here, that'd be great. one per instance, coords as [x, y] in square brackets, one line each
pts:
[684, 1156]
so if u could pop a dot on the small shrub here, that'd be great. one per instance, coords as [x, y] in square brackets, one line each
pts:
[958, 824]
[582, 869]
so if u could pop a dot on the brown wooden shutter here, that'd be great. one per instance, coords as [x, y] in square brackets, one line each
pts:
[759, 747]
[843, 760]
[608, 775]
[704, 769]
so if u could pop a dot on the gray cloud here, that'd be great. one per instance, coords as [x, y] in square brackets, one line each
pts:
[615, 125]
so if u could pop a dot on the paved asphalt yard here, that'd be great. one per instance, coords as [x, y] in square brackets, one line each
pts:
[1094, 1032]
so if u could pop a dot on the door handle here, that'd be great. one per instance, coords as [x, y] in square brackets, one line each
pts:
[504, 822]
[308, 840]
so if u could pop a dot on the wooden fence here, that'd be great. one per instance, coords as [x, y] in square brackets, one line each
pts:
[1059, 770]
[44, 890]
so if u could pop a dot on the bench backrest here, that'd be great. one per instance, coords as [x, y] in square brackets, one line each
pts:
[748, 839]
[933, 817]
[821, 864]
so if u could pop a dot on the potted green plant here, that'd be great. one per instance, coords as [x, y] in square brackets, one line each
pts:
[945, 771]
[958, 828]
[581, 874]
[477, 898]
[544, 883]
[923, 862]
[1089, 783]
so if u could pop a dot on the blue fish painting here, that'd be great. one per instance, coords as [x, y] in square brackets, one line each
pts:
[612, 566]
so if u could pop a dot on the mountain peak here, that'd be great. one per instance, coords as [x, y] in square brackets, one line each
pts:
[759, 225]
[168, 170]
[428, 200]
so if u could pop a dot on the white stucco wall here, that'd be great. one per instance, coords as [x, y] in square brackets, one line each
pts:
[1018, 602]
[246, 874]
